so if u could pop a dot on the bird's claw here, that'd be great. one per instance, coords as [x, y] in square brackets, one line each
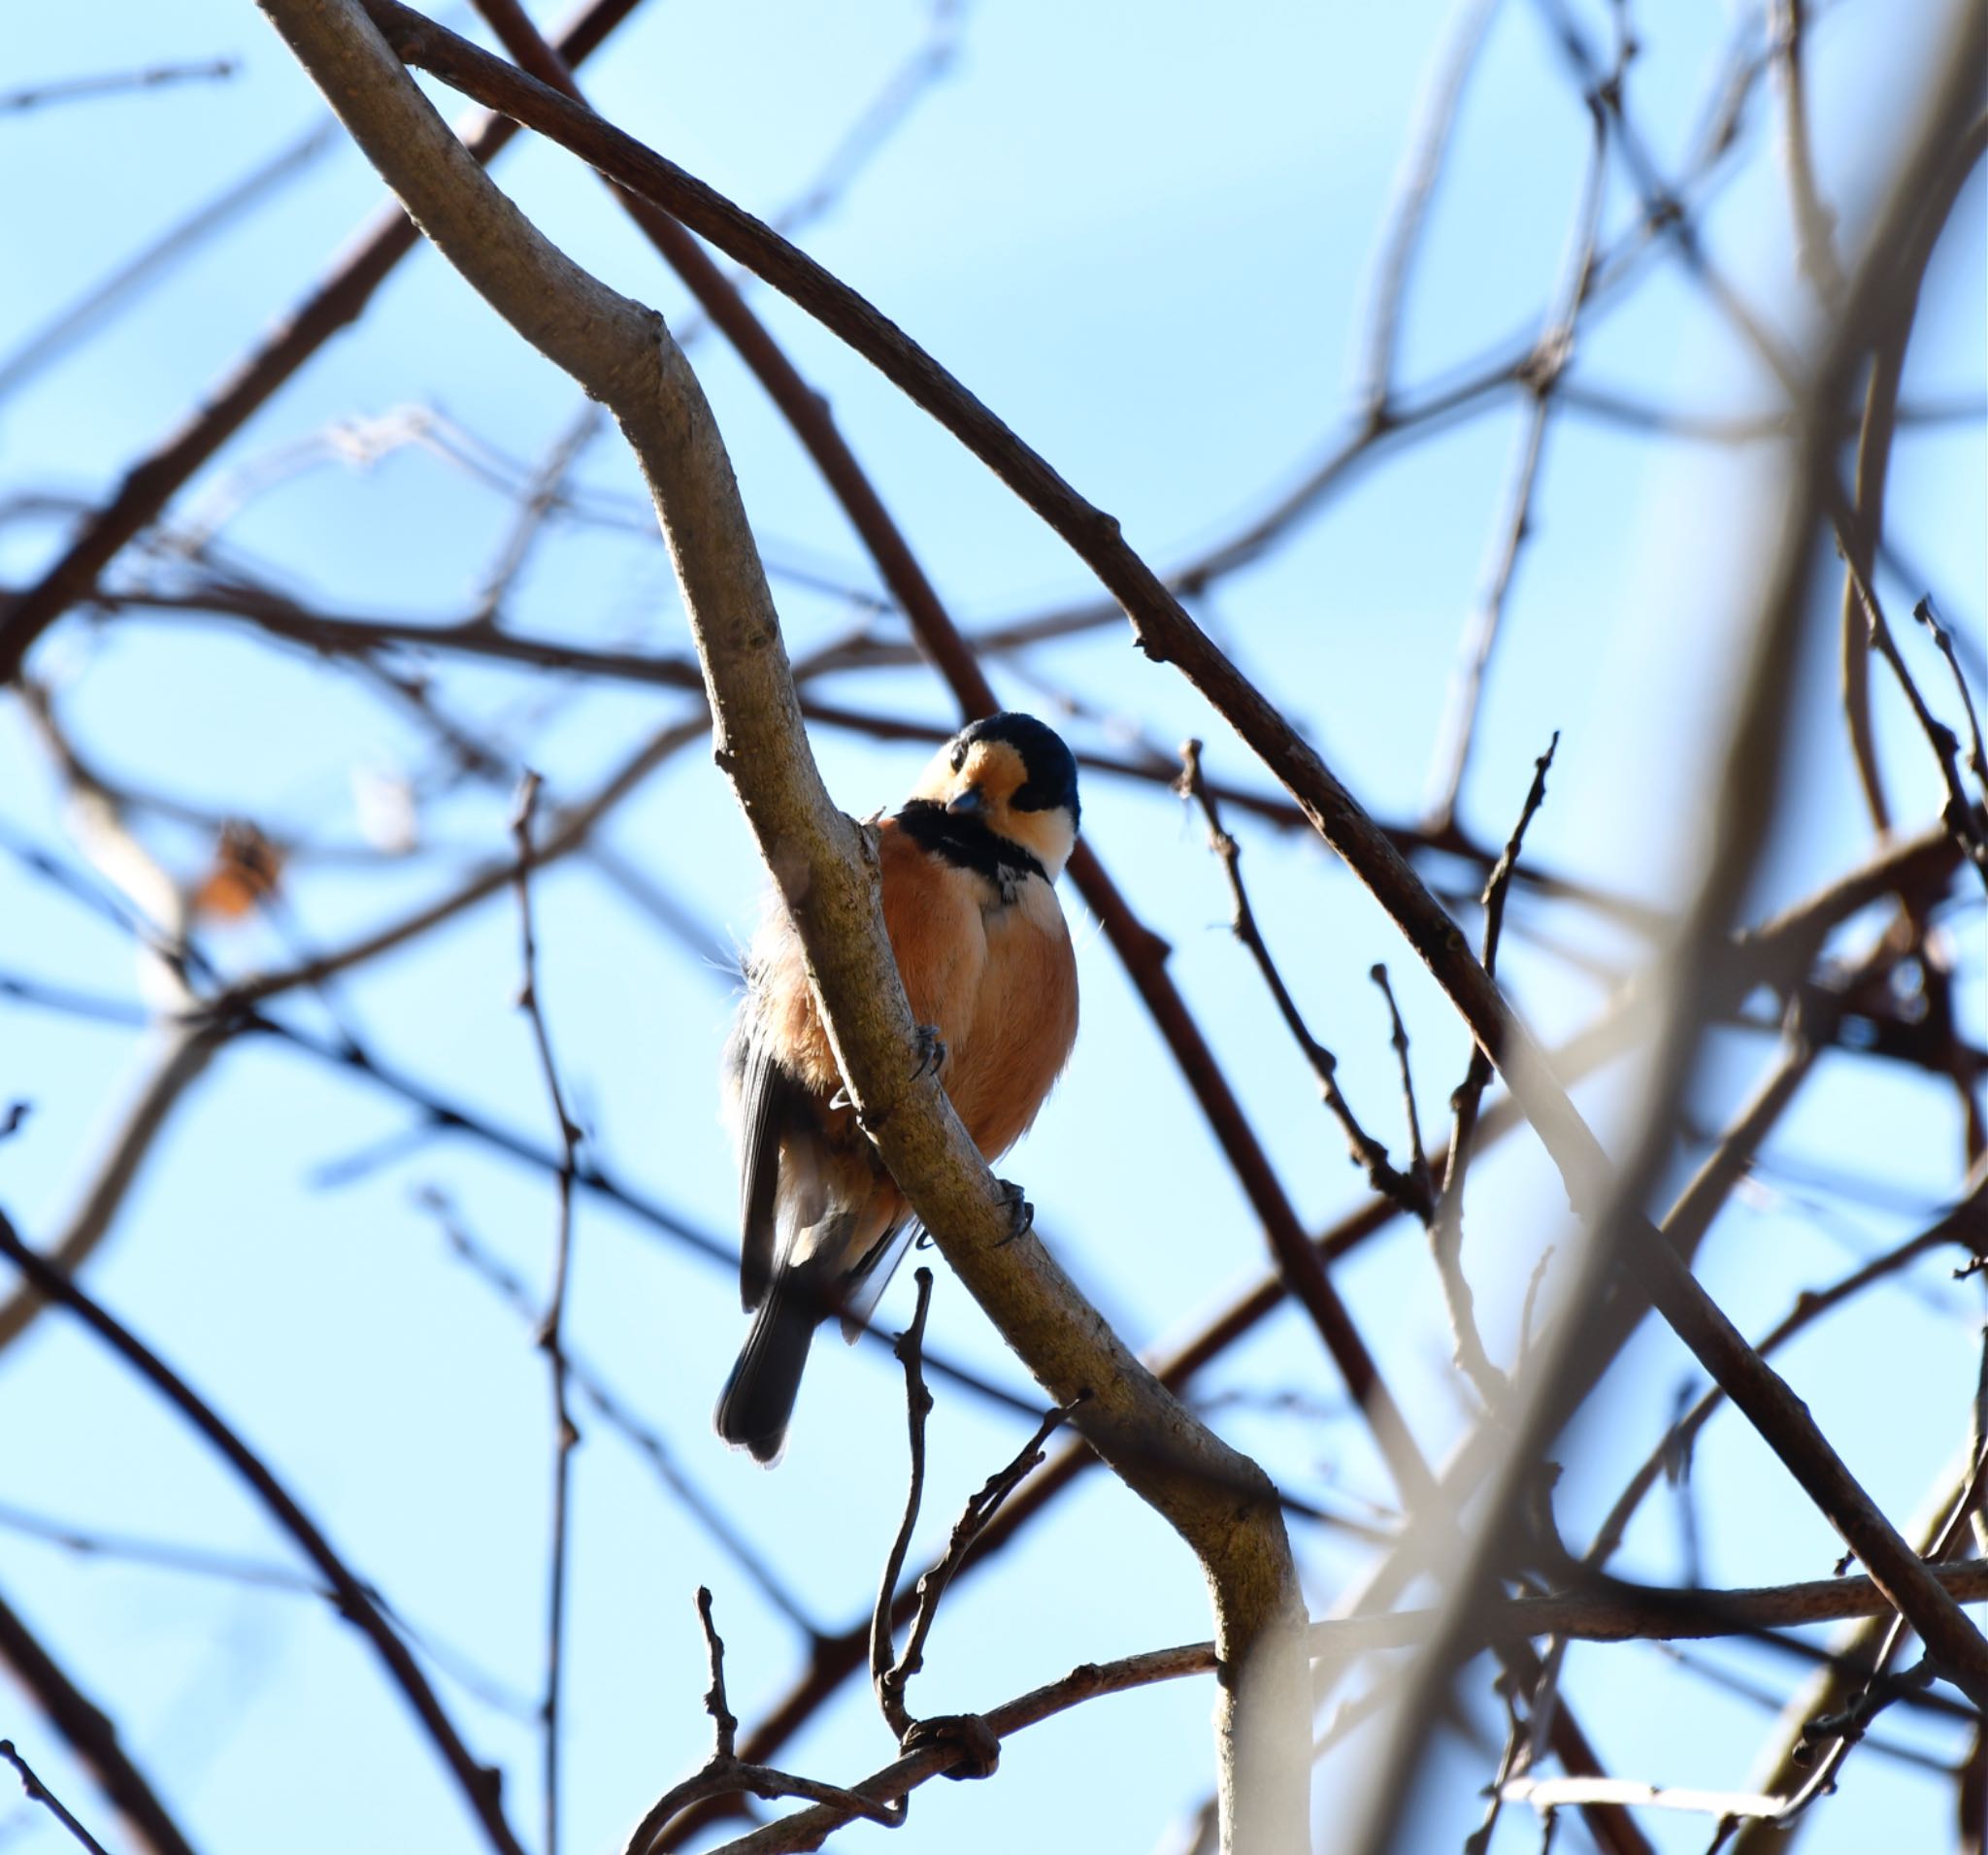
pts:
[1021, 1215]
[931, 1052]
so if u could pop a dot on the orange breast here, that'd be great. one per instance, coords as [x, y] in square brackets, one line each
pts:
[998, 983]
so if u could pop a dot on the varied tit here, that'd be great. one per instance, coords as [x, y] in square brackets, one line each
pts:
[968, 866]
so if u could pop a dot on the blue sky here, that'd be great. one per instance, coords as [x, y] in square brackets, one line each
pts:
[1145, 237]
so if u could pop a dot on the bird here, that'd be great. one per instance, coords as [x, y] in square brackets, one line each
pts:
[968, 865]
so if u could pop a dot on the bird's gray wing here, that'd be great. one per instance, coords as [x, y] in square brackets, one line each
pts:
[771, 1103]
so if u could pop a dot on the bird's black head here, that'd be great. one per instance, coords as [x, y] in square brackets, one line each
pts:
[1048, 767]
[1015, 777]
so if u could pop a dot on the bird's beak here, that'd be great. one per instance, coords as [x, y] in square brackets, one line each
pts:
[970, 803]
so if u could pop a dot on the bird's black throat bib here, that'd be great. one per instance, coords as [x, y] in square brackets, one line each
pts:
[970, 843]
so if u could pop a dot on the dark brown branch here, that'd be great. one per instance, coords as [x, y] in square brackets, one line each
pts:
[724, 1774]
[981, 1508]
[1367, 1153]
[1625, 1614]
[885, 1676]
[346, 634]
[341, 298]
[1966, 1226]
[90, 1735]
[478, 1784]
[1398, 1041]
[39, 1793]
[1622, 1613]
[724, 1723]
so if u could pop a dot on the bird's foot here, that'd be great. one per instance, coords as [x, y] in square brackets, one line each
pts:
[931, 1052]
[1021, 1215]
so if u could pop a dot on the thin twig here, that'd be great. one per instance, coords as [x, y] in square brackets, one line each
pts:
[40, 1793]
[1414, 189]
[1412, 1193]
[980, 1507]
[1540, 376]
[1959, 814]
[1978, 1439]
[154, 76]
[1446, 1230]
[540, 501]
[1977, 757]
[1479, 1840]
[724, 1723]
[1398, 1038]
[889, 1680]
[551, 1336]
[723, 1773]
[1814, 222]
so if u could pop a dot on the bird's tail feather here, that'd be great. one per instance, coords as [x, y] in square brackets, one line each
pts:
[758, 1397]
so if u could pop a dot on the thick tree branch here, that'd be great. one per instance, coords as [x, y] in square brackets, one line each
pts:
[1220, 1504]
[940, 638]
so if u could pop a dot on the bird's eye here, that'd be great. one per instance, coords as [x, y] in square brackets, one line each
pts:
[959, 755]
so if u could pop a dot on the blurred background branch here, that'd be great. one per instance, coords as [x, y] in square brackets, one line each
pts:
[1455, 376]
